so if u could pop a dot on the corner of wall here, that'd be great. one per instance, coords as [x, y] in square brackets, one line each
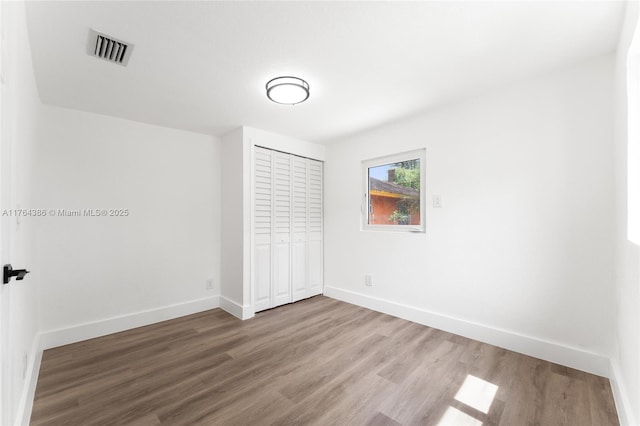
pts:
[239, 311]
[620, 398]
[247, 177]
[232, 153]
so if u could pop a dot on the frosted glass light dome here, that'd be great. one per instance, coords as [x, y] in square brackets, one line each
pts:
[288, 90]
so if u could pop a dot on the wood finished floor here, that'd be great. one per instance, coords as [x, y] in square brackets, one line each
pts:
[319, 361]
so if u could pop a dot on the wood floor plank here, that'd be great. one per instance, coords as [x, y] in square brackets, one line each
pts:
[525, 382]
[379, 419]
[319, 362]
[601, 404]
[431, 377]
[355, 406]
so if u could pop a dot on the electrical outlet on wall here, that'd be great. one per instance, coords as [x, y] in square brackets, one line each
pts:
[368, 280]
[209, 284]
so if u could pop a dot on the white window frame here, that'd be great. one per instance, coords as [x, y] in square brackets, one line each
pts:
[420, 154]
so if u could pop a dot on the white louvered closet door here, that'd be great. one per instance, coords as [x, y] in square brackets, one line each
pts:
[300, 224]
[263, 212]
[315, 228]
[282, 229]
[288, 228]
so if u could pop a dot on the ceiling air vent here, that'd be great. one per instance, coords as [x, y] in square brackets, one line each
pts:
[109, 48]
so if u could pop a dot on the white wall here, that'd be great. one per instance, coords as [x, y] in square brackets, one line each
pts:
[100, 268]
[523, 242]
[628, 94]
[233, 194]
[21, 111]
[626, 352]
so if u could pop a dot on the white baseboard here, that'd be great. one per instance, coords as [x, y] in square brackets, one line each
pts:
[64, 336]
[538, 348]
[242, 312]
[620, 396]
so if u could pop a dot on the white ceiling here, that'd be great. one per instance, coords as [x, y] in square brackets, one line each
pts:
[202, 66]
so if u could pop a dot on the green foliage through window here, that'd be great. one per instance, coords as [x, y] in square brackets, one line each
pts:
[407, 174]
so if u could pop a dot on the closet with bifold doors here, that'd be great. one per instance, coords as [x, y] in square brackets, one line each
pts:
[287, 228]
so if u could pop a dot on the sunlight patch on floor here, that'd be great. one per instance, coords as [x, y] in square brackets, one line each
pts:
[455, 417]
[477, 393]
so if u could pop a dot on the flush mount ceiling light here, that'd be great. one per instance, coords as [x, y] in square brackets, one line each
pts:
[288, 90]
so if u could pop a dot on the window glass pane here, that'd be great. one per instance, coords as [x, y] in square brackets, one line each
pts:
[394, 193]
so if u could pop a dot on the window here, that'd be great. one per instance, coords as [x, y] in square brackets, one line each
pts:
[394, 192]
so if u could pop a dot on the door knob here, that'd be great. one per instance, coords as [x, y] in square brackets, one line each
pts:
[9, 272]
